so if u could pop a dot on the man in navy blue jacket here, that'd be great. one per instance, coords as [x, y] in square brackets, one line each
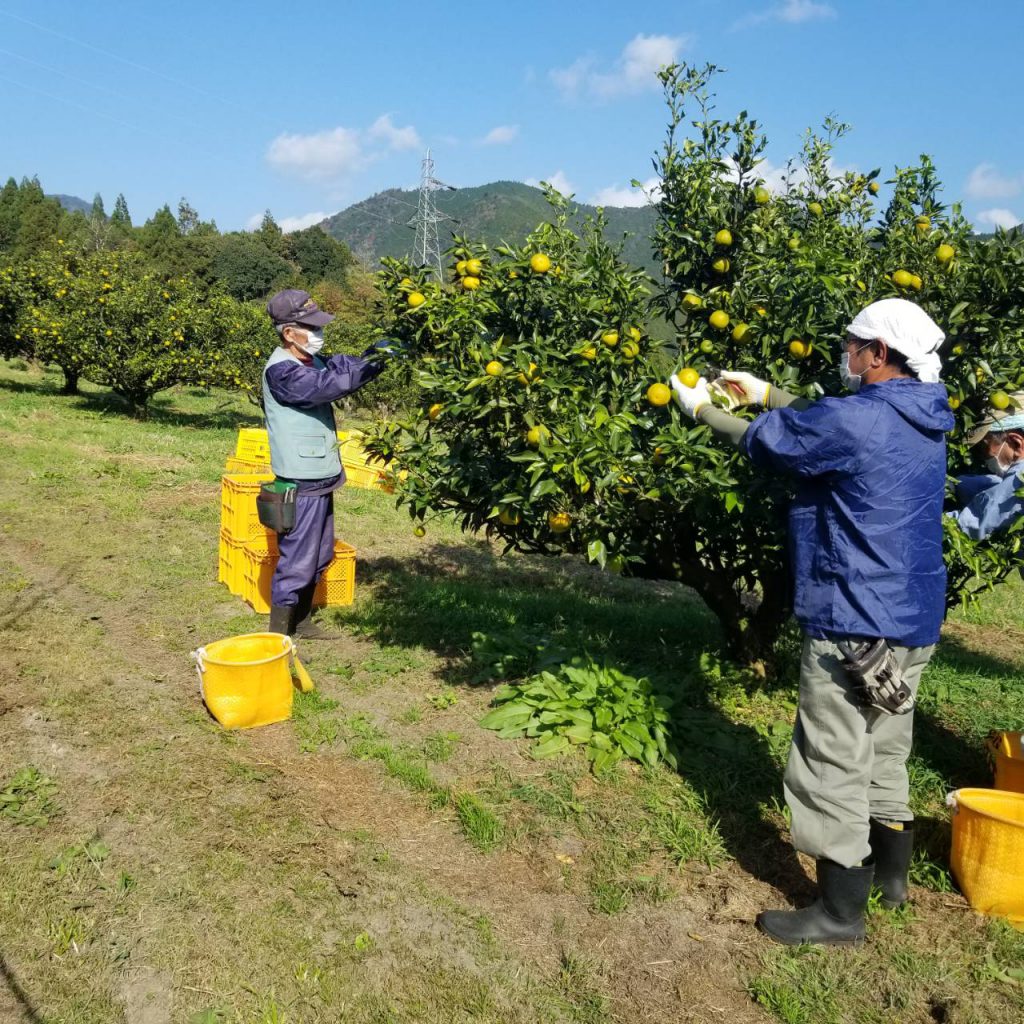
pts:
[865, 531]
[298, 389]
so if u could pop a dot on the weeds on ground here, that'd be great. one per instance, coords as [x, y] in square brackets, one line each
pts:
[27, 798]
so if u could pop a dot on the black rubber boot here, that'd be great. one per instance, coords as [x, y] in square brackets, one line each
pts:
[281, 619]
[836, 918]
[892, 849]
[305, 627]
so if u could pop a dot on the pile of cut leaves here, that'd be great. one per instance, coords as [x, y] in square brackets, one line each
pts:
[584, 703]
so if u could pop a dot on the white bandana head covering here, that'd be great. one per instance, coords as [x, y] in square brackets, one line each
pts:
[905, 327]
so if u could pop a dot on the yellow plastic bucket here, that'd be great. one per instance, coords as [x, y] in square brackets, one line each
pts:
[246, 681]
[1008, 750]
[988, 850]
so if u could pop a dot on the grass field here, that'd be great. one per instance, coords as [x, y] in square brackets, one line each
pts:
[381, 858]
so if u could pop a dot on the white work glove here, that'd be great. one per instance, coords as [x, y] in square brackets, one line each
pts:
[737, 389]
[691, 400]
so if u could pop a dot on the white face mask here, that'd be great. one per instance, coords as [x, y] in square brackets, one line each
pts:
[314, 342]
[994, 465]
[851, 381]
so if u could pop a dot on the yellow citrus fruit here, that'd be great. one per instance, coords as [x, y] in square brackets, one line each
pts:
[406, 282]
[529, 376]
[634, 333]
[873, 188]
[589, 353]
[799, 349]
[559, 522]
[416, 299]
[494, 368]
[513, 274]
[922, 224]
[470, 283]
[435, 410]
[460, 267]
[540, 263]
[954, 402]
[761, 311]
[707, 346]
[659, 394]
[630, 350]
[902, 279]
[510, 517]
[692, 301]
[762, 195]
[816, 209]
[958, 350]
[719, 319]
[945, 253]
[794, 243]
[419, 531]
[720, 266]
[688, 377]
[610, 338]
[474, 267]
[915, 282]
[723, 237]
[658, 457]
[999, 400]
[739, 332]
[538, 435]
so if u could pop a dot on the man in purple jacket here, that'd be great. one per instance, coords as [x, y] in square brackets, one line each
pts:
[298, 389]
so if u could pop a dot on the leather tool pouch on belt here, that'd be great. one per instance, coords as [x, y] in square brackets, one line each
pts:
[275, 506]
[876, 674]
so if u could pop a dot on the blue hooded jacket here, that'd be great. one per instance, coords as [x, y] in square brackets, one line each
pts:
[866, 521]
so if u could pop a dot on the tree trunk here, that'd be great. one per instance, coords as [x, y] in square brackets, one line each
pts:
[70, 386]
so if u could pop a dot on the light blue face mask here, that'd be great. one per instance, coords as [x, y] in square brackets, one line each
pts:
[851, 381]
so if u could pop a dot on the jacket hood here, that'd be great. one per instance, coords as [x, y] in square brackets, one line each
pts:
[924, 406]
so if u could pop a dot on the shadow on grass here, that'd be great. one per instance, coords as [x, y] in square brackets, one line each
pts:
[161, 409]
[954, 654]
[439, 599]
[28, 1010]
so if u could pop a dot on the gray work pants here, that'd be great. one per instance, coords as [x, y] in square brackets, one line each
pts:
[847, 762]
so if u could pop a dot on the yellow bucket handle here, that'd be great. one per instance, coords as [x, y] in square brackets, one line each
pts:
[305, 682]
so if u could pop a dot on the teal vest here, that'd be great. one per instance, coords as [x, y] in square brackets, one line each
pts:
[303, 442]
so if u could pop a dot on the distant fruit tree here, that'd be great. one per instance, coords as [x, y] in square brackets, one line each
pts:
[544, 418]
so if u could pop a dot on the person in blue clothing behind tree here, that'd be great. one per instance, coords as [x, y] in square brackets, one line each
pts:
[994, 501]
[865, 533]
[298, 389]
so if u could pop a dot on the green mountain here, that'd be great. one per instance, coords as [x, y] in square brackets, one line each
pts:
[503, 211]
[72, 203]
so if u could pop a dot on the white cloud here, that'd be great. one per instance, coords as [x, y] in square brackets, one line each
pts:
[633, 71]
[558, 180]
[502, 134]
[384, 130]
[985, 182]
[322, 155]
[336, 153]
[286, 224]
[999, 218]
[791, 12]
[648, 192]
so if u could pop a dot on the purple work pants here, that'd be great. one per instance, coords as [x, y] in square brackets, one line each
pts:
[305, 551]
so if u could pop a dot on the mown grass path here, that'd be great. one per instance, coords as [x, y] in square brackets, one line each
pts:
[381, 857]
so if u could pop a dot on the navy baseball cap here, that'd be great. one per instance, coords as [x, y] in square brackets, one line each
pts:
[293, 306]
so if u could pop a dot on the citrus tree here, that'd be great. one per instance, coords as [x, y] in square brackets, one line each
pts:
[544, 417]
[110, 318]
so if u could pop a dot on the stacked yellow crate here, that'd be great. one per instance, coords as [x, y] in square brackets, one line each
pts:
[248, 550]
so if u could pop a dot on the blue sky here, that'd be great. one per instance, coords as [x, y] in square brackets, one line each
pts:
[306, 108]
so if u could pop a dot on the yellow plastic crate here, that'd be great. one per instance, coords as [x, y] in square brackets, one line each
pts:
[369, 477]
[231, 563]
[233, 464]
[1009, 759]
[253, 445]
[238, 503]
[988, 850]
[336, 586]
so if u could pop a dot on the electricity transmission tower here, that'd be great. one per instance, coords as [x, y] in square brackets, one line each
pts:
[426, 248]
